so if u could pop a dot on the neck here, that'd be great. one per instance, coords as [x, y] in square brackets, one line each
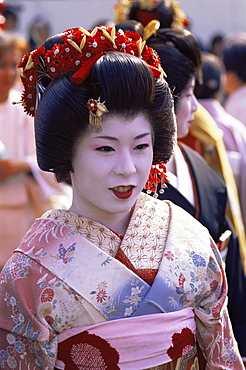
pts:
[171, 165]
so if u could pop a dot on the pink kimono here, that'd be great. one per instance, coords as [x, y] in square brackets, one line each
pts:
[75, 295]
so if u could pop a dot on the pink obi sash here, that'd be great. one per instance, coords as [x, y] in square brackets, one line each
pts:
[131, 343]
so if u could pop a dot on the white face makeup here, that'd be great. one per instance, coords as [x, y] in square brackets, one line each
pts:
[187, 105]
[111, 168]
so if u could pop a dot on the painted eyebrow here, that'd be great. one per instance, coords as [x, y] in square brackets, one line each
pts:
[115, 139]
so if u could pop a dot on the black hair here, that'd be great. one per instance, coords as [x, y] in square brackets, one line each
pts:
[216, 39]
[163, 12]
[128, 88]
[131, 25]
[212, 70]
[234, 55]
[180, 57]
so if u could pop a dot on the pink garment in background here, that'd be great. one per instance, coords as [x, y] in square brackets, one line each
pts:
[235, 143]
[236, 104]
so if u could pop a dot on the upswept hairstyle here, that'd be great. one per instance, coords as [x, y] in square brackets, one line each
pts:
[180, 57]
[128, 88]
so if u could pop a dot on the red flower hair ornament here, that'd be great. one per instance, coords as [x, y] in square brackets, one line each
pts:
[78, 53]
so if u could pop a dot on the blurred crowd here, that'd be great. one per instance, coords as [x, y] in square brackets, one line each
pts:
[26, 192]
[217, 134]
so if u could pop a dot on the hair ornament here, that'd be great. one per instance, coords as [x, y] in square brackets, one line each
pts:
[148, 5]
[77, 51]
[179, 15]
[151, 28]
[157, 176]
[121, 10]
[95, 119]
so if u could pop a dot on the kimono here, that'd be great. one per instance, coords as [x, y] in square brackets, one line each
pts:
[76, 295]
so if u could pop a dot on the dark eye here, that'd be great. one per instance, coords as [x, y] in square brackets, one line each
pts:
[105, 149]
[141, 146]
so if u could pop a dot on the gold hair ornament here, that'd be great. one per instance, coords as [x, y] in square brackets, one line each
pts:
[95, 119]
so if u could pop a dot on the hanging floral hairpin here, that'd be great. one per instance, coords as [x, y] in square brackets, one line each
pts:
[95, 119]
[157, 176]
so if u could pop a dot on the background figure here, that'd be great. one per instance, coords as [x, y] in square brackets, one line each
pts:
[234, 58]
[168, 13]
[216, 45]
[39, 30]
[11, 14]
[207, 139]
[120, 277]
[25, 191]
[131, 25]
[193, 184]
[234, 132]
[2, 18]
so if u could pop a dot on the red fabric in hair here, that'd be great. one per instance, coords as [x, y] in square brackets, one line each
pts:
[84, 71]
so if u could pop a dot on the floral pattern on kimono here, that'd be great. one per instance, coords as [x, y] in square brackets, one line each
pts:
[37, 304]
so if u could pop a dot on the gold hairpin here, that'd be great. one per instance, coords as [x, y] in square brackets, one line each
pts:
[95, 119]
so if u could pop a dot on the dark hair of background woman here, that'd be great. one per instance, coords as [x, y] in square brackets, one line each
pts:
[180, 57]
[131, 25]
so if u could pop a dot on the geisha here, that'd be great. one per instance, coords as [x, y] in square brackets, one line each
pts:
[121, 280]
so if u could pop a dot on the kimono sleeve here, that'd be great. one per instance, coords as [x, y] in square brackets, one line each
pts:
[26, 342]
[214, 331]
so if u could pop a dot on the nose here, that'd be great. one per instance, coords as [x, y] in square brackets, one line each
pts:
[125, 165]
[194, 103]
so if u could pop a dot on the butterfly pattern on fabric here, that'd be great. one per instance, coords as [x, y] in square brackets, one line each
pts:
[65, 255]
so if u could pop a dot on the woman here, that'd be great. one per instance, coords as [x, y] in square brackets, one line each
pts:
[25, 191]
[203, 193]
[118, 262]
[181, 60]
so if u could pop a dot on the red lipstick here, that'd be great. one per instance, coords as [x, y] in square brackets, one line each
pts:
[122, 192]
